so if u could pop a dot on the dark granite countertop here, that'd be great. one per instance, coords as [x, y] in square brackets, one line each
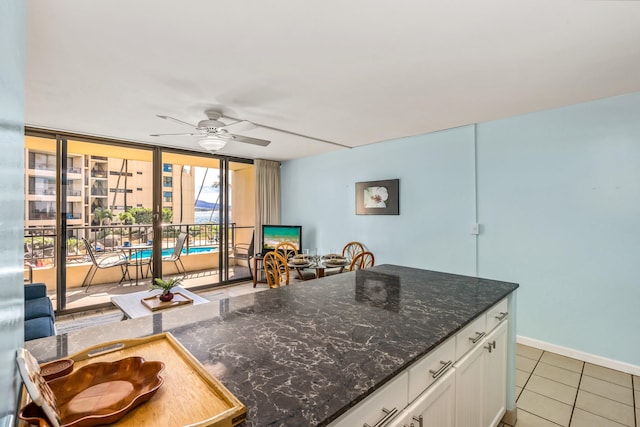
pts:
[304, 354]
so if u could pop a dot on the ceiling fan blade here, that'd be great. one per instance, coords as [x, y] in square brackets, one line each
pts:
[170, 134]
[240, 126]
[249, 140]
[175, 120]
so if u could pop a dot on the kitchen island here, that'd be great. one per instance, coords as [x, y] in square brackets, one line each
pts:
[305, 354]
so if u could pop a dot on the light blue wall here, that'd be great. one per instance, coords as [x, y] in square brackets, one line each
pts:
[558, 199]
[436, 200]
[559, 193]
[12, 42]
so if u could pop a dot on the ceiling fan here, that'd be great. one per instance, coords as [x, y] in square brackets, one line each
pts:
[214, 134]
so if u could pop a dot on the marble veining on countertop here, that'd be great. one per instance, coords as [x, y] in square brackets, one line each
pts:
[302, 355]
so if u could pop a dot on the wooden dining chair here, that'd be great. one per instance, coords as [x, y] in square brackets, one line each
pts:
[276, 269]
[350, 251]
[288, 251]
[362, 260]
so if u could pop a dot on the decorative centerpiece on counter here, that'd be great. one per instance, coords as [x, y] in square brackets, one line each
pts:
[166, 286]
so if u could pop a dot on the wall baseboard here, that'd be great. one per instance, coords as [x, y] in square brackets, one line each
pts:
[575, 354]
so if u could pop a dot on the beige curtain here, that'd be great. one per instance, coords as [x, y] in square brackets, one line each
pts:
[267, 196]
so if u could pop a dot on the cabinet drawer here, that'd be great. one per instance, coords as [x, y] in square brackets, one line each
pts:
[471, 335]
[497, 314]
[392, 397]
[427, 370]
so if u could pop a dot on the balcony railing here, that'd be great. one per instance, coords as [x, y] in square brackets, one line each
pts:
[40, 242]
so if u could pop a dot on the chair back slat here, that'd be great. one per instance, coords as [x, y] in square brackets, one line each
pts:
[352, 249]
[286, 249]
[276, 269]
[362, 260]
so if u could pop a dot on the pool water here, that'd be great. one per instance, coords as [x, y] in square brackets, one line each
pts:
[167, 252]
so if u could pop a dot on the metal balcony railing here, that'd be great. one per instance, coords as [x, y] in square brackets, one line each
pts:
[40, 242]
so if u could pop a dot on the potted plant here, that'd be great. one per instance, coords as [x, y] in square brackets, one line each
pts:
[166, 286]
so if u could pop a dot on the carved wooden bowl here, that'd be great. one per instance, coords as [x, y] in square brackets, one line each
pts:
[99, 393]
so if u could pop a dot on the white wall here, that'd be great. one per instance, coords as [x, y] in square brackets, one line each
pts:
[12, 27]
[558, 199]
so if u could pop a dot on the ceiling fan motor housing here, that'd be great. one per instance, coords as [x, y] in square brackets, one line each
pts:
[210, 124]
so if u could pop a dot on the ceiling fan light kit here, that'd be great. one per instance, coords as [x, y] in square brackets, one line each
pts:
[212, 143]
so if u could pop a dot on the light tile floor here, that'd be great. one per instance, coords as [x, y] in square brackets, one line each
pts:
[554, 390]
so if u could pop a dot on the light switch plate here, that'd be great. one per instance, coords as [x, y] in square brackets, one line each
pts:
[475, 229]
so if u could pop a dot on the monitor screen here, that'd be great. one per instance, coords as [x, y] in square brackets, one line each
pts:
[274, 234]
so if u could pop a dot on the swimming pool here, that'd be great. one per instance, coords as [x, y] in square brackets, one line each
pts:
[167, 252]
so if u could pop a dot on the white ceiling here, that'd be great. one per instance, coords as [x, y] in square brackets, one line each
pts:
[351, 72]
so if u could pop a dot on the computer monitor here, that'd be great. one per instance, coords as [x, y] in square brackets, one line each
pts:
[274, 234]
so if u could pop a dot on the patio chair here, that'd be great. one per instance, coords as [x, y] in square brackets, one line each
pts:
[107, 260]
[177, 251]
[276, 269]
[244, 251]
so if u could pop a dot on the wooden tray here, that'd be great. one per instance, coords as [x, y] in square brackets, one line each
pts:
[190, 395]
[153, 303]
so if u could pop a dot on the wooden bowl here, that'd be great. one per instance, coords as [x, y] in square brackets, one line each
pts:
[100, 393]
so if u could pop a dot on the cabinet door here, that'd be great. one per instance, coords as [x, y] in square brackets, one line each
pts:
[434, 407]
[496, 376]
[469, 373]
[383, 404]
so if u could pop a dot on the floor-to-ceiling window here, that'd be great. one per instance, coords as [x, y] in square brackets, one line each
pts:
[88, 200]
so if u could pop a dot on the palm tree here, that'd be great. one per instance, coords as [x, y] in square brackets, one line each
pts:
[101, 214]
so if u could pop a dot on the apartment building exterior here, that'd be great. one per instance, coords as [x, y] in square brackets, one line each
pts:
[99, 181]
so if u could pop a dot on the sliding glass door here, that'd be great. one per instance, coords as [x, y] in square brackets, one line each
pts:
[107, 217]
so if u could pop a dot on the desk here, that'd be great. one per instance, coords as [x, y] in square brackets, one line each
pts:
[132, 307]
[137, 249]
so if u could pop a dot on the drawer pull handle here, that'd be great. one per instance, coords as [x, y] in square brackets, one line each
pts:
[488, 347]
[419, 420]
[442, 370]
[502, 316]
[388, 415]
[477, 338]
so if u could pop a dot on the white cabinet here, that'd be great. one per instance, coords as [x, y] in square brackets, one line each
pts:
[496, 376]
[481, 381]
[434, 407]
[471, 335]
[469, 382]
[384, 403]
[427, 370]
[462, 383]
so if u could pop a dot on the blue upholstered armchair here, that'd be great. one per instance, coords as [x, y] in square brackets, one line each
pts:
[39, 318]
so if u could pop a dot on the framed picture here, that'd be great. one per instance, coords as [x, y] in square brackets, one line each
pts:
[378, 197]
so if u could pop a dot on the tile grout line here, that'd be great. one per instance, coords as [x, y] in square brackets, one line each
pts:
[538, 361]
[633, 393]
[604, 397]
[530, 375]
[575, 400]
